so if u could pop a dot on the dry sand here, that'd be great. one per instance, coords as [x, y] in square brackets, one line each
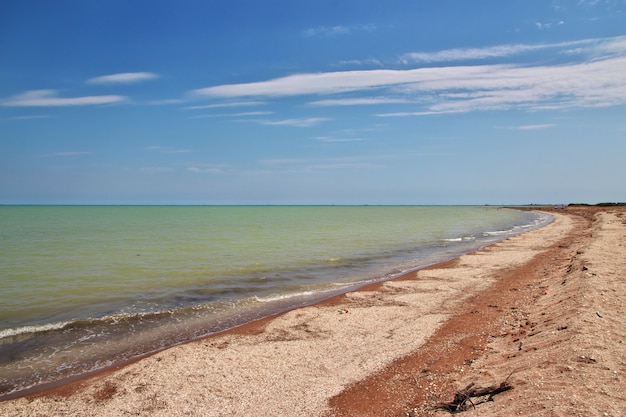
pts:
[543, 311]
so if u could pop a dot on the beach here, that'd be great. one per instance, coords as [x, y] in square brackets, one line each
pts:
[541, 312]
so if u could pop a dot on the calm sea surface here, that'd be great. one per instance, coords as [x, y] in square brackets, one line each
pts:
[86, 287]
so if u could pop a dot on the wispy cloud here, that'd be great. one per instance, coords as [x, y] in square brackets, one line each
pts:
[548, 25]
[206, 169]
[48, 98]
[318, 83]
[460, 54]
[241, 114]
[598, 79]
[535, 127]
[326, 31]
[357, 101]
[123, 78]
[227, 104]
[465, 88]
[370, 62]
[337, 30]
[502, 51]
[303, 122]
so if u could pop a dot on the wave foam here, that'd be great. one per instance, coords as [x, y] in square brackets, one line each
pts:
[279, 297]
[32, 329]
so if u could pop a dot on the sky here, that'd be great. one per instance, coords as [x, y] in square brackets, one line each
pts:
[312, 102]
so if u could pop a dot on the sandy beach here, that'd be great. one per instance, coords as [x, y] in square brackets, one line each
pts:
[541, 313]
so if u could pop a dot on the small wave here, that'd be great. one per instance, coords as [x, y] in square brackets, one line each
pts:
[279, 297]
[33, 329]
[460, 239]
[497, 232]
[81, 323]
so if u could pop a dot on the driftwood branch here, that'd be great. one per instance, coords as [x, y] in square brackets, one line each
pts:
[464, 396]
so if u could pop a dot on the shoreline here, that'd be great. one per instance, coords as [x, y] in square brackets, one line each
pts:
[128, 342]
[293, 363]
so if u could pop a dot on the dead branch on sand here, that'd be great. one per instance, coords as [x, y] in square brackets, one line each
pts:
[464, 396]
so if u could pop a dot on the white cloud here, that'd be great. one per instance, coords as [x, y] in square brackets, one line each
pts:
[459, 54]
[463, 88]
[594, 84]
[614, 44]
[597, 81]
[327, 31]
[372, 62]
[123, 78]
[304, 122]
[206, 169]
[413, 113]
[338, 30]
[228, 104]
[242, 114]
[542, 26]
[48, 98]
[357, 101]
[535, 127]
[317, 83]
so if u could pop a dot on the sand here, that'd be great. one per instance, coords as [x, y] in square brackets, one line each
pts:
[543, 311]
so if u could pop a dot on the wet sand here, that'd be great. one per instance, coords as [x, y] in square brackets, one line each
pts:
[542, 311]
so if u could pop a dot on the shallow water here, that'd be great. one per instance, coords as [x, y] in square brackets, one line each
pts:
[85, 287]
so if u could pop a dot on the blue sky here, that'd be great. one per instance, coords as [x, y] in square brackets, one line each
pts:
[312, 102]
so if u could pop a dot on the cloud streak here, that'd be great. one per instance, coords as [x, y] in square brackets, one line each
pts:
[206, 169]
[241, 114]
[463, 88]
[326, 31]
[357, 101]
[228, 104]
[48, 98]
[338, 30]
[615, 44]
[536, 127]
[303, 122]
[123, 78]
[598, 81]
[460, 54]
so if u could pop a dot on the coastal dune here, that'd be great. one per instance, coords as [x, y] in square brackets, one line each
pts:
[541, 311]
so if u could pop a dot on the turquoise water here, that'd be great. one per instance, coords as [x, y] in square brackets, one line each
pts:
[86, 287]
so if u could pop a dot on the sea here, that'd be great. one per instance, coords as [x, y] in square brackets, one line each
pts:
[85, 288]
